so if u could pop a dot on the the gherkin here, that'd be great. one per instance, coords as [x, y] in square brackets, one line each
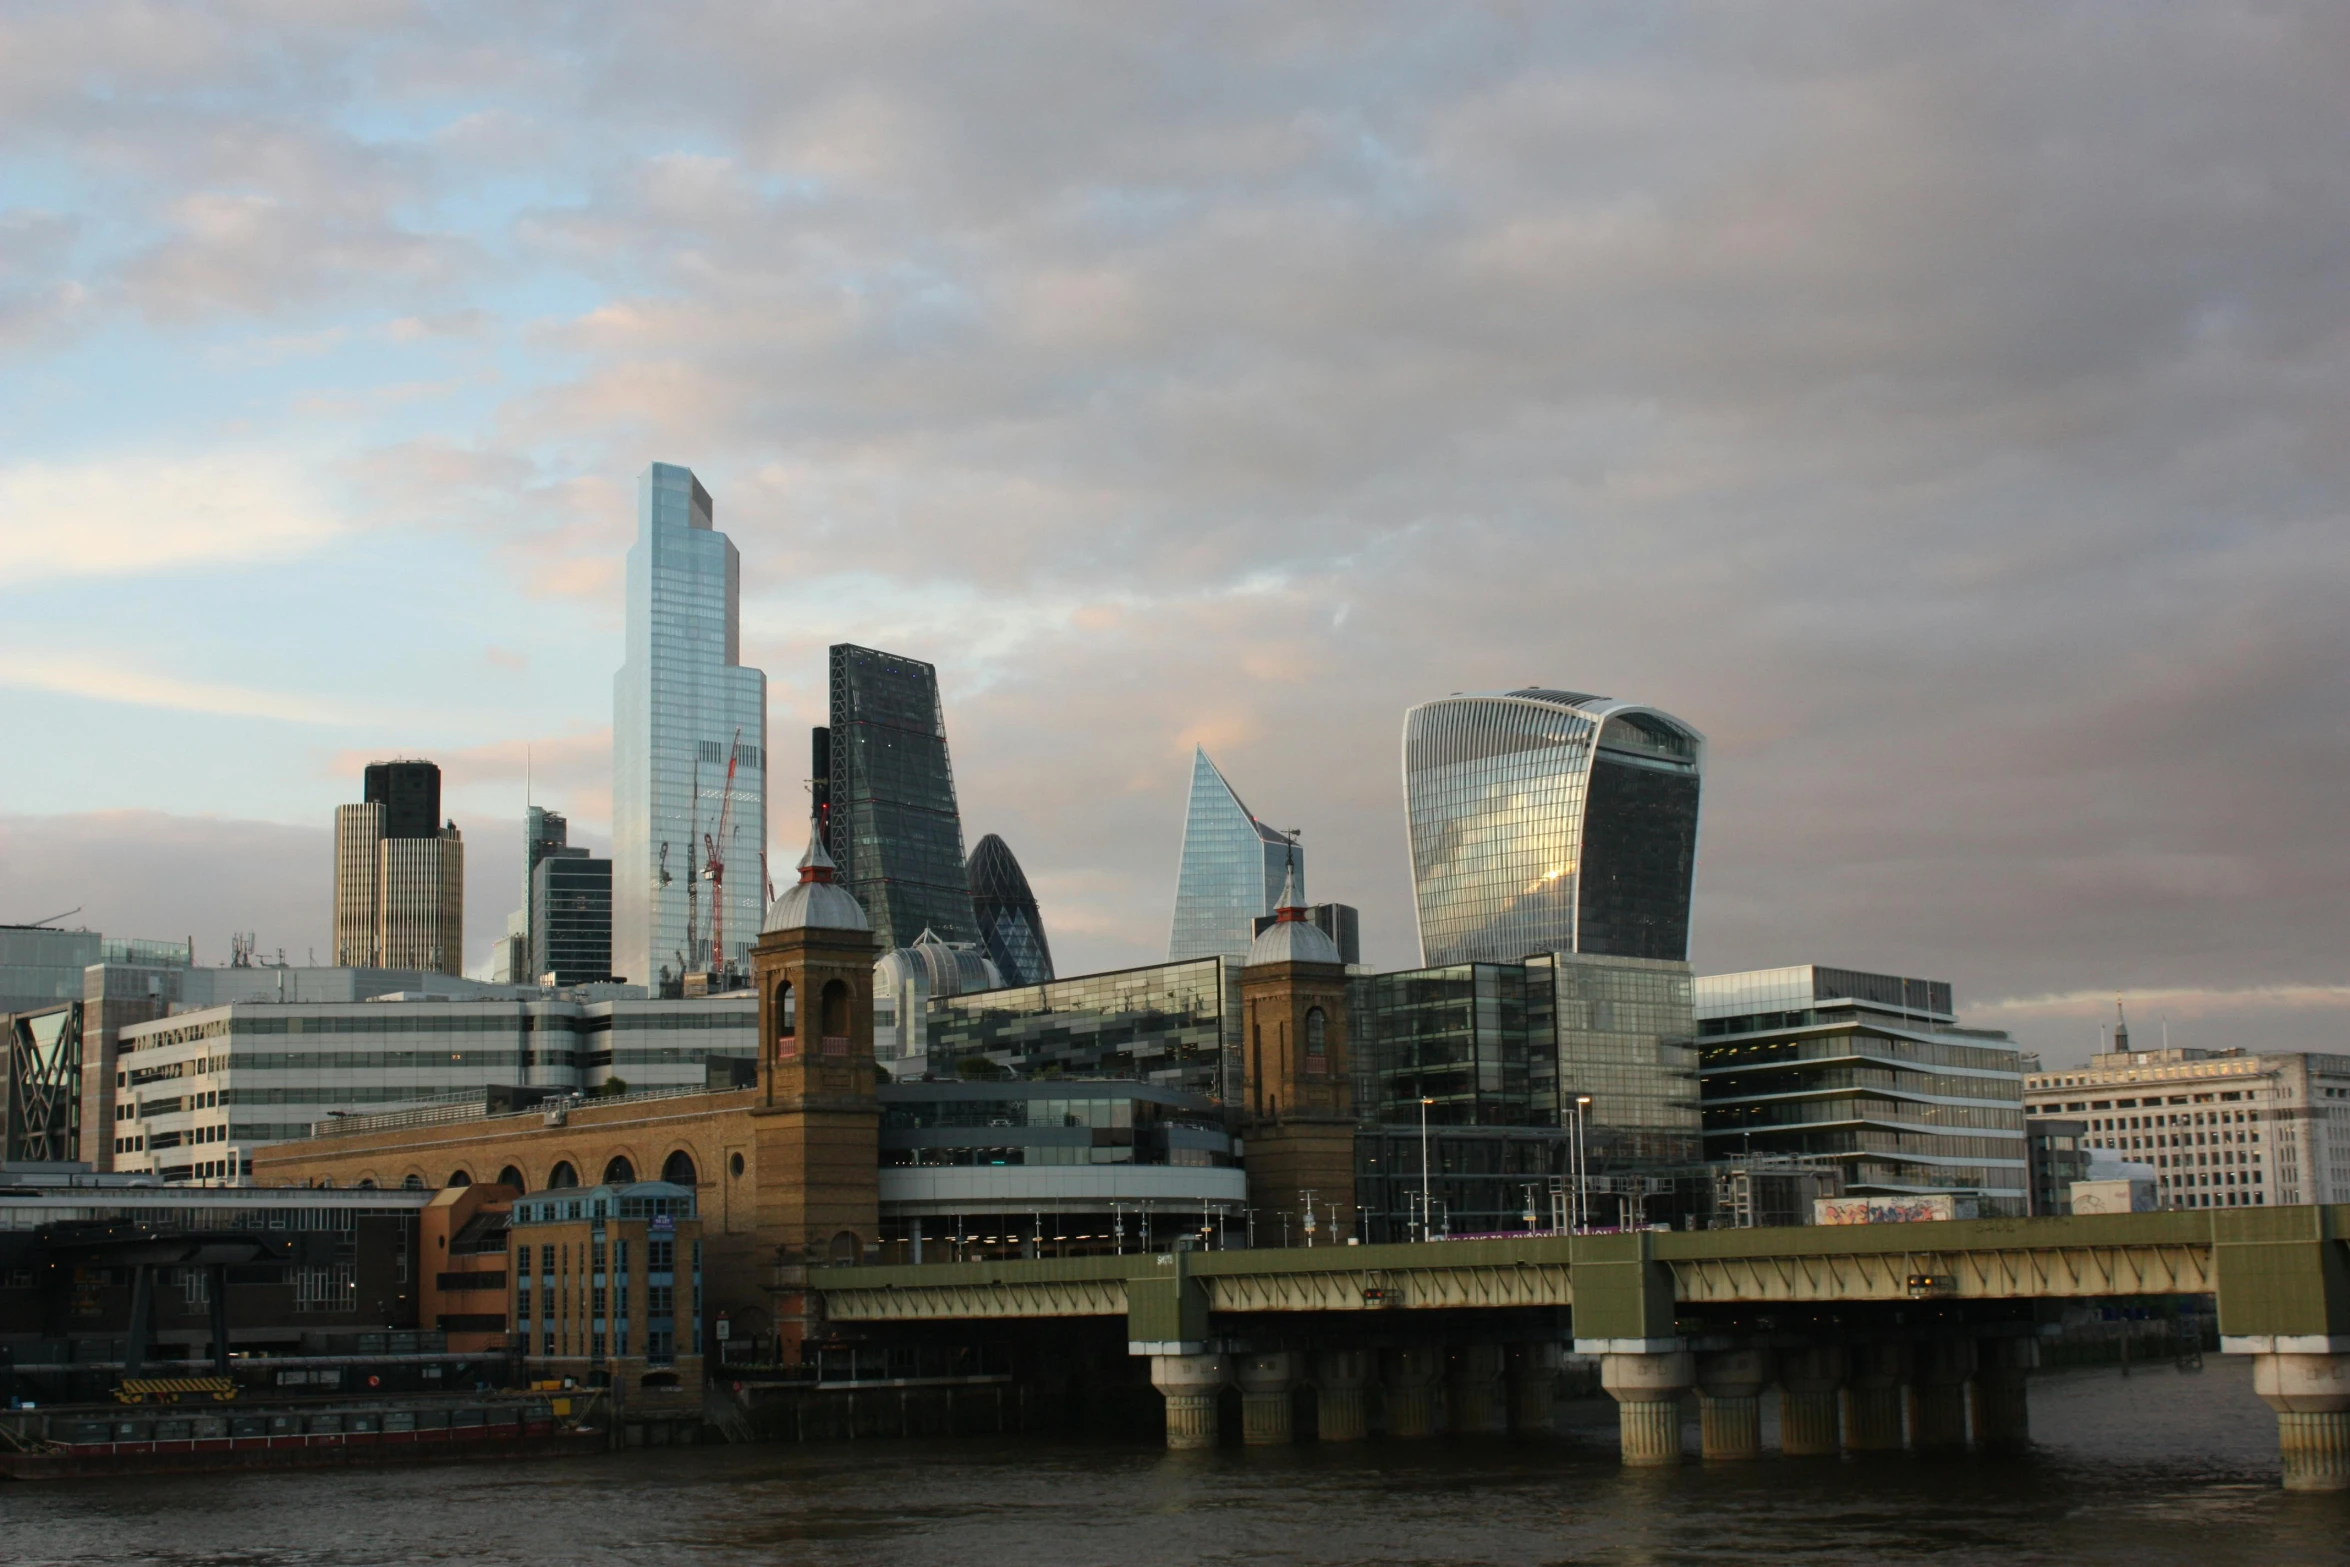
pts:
[1010, 927]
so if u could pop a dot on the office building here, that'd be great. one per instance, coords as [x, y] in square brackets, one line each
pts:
[2222, 1128]
[1175, 1025]
[40, 966]
[891, 819]
[689, 747]
[1625, 1030]
[1011, 927]
[40, 1085]
[1550, 821]
[2059, 1151]
[399, 898]
[607, 1285]
[1231, 871]
[1341, 922]
[198, 1091]
[571, 918]
[1868, 1073]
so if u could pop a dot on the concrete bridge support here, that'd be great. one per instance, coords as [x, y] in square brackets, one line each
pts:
[1342, 1378]
[1533, 1388]
[1408, 1390]
[1474, 1397]
[1190, 1384]
[1648, 1390]
[2002, 1414]
[1874, 1375]
[1266, 1383]
[1729, 1401]
[1811, 1419]
[1940, 1369]
[2311, 1395]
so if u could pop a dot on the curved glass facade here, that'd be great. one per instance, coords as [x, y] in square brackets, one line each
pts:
[1011, 927]
[1231, 871]
[1550, 821]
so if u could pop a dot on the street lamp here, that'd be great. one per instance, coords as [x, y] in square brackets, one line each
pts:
[1425, 1209]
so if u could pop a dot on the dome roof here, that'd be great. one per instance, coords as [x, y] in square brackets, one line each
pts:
[816, 902]
[1291, 938]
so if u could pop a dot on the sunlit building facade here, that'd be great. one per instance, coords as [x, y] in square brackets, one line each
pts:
[1550, 821]
[1231, 870]
[893, 824]
[683, 707]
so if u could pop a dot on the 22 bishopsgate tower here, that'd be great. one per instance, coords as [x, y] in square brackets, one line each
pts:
[1550, 821]
[689, 747]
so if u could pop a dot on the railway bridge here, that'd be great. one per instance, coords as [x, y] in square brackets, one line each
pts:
[1877, 1336]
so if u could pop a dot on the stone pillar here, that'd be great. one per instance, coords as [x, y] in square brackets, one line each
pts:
[1476, 1403]
[1190, 1384]
[1647, 1390]
[2002, 1415]
[1265, 1384]
[1340, 1377]
[1810, 1419]
[1408, 1390]
[1939, 1373]
[1729, 1401]
[1533, 1388]
[2311, 1395]
[1874, 1374]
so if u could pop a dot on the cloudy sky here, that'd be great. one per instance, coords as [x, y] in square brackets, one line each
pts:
[1941, 407]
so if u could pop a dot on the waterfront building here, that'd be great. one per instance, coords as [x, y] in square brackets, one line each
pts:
[1231, 871]
[1550, 821]
[1341, 922]
[198, 1092]
[1011, 927]
[1625, 1029]
[689, 747]
[607, 1286]
[2222, 1128]
[1868, 1073]
[399, 873]
[2059, 1151]
[1175, 1025]
[905, 981]
[894, 828]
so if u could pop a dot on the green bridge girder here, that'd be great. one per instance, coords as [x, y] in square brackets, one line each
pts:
[2279, 1274]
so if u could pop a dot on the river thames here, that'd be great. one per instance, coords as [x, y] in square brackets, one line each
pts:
[2161, 1467]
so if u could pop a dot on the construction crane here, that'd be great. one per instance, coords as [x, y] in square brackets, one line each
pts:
[693, 830]
[714, 852]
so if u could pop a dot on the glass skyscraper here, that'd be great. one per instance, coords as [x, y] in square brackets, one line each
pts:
[1231, 871]
[682, 705]
[893, 823]
[1550, 821]
[1011, 927]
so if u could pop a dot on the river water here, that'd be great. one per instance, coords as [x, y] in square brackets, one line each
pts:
[2158, 1468]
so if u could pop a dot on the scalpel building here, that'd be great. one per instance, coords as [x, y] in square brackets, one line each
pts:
[1550, 821]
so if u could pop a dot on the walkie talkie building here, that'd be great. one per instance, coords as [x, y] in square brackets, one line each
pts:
[1550, 821]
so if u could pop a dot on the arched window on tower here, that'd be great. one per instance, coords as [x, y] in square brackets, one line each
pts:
[787, 1021]
[836, 1018]
[1317, 1043]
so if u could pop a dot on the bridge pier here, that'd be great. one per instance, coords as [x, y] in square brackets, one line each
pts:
[1729, 1402]
[1647, 1389]
[1266, 1382]
[2000, 1405]
[1340, 1379]
[1811, 1380]
[1408, 1390]
[1475, 1394]
[1940, 1368]
[1190, 1384]
[1875, 1373]
[2311, 1395]
[1533, 1388]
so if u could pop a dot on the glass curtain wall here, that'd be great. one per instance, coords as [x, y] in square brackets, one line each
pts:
[1231, 872]
[1011, 927]
[895, 828]
[683, 705]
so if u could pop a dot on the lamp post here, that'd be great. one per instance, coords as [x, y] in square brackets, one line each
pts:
[1425, 1209]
